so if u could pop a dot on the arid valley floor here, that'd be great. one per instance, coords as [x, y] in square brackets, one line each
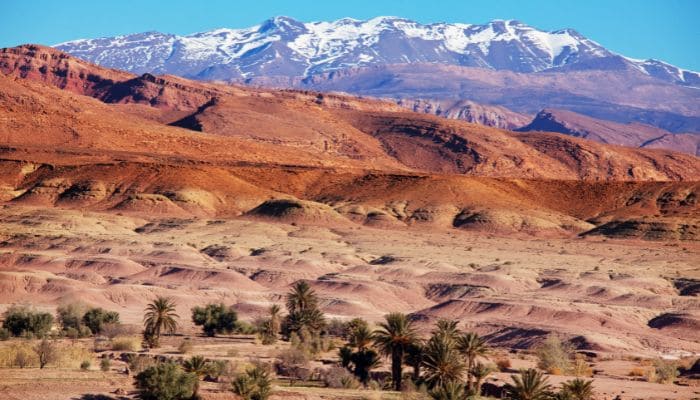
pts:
[116, 189]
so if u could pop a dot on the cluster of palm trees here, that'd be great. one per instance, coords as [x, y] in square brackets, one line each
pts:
[445, 358]
[448, 362]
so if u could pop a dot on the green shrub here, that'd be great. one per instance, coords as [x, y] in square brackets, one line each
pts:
[254, 384]
[215, 318]
[23, 321]
[85, 365]
[165, 381]
[245, 328]
[70, 316]
[96, 318]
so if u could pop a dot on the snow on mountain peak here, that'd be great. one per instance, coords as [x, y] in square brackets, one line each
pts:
[284, 46]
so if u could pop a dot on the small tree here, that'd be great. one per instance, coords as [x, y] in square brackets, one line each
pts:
[165, 381]
[215, 318]
[96, 318]
[554, 356]
[46, 352]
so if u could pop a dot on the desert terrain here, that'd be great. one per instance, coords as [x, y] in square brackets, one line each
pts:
[117, 189]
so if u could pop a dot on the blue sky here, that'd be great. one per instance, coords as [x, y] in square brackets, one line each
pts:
[668, 30]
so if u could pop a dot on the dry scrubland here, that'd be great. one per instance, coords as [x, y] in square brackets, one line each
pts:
[626, 303]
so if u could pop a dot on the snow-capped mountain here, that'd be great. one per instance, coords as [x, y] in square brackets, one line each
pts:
[282, 46]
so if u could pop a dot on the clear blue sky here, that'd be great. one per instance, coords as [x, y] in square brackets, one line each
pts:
[664, 29]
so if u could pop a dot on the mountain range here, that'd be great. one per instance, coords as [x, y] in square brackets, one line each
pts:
[282, 46]
[500, 74]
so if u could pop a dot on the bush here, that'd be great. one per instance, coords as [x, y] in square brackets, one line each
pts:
[4, 334]
[221, 368]
[139, 362]
[294, 364]
[638, 371]
[245, 328]
[185, 346]
[85, 365]
[666, 371]
[112, 330]
[105, 364]
[96, 318]
[254, 384]
[554, 356]
[580, 366]
[165, 381]
[339, 378]
[22, 359]
[22, 321]
[71, 316]
[215, 318]
[503, 364]
[129, 343]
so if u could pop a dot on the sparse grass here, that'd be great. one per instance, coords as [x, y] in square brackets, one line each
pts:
[126, 343]
[185, 346]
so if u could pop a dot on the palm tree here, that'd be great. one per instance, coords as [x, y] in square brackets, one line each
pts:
[392, 339]
[471, 346]
[360, 337]
[447, 328]
[302, 305]
[275, 319]
[442, 362]
[529, 385]
[480, 372]
[450, 391]
[301, 298]
[198, 366]
[364, 360]
[345, 355]
[578, 389]
[414, 358]
[160, 317]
